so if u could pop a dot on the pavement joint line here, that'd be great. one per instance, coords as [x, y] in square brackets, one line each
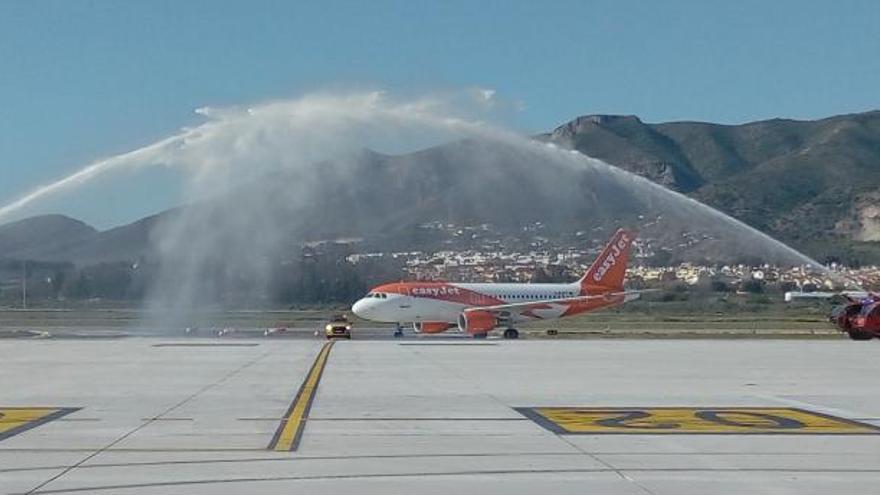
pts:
[810, 406]
[452, 454]
[446, 344]
[290, 429]
[206, 344]
[296, 459]
[581, 451]
[607, 464]
[167, 419]
[146, 423]
[424, 474]
[299, 459]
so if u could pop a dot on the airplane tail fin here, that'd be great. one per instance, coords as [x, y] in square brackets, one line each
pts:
[609, 268]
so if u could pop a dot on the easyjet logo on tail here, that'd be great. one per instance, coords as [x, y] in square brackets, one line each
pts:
[612, 257]
[609, 269]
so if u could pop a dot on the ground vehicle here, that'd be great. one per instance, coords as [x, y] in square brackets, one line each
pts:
[857, 313]
[858, 317]
[338, 327]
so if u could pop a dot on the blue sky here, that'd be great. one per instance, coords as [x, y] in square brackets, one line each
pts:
[81, 80]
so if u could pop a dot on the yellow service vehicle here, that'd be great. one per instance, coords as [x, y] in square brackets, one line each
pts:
[338, 327]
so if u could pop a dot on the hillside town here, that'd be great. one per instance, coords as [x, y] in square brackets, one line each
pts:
[549, 265]
[340, 270]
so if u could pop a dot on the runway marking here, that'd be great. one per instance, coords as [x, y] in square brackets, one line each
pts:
[692, 420]
[289, 432]
[14, 420]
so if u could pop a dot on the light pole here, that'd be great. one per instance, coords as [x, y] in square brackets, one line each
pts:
[24, 284]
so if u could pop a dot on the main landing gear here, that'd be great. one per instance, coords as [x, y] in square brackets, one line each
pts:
[398, 331]
[510, 333]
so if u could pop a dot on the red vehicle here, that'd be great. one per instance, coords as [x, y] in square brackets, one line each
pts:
[858, 317]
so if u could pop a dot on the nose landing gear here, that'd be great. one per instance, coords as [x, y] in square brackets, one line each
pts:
[398, 331]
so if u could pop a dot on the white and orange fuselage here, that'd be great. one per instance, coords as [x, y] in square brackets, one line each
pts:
[478, 308]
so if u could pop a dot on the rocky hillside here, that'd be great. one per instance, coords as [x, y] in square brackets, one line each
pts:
[815, 184]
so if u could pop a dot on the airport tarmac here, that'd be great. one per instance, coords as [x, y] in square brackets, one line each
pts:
[160, 415]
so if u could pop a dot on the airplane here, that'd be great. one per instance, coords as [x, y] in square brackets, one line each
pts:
[478, 308]
[858, 315]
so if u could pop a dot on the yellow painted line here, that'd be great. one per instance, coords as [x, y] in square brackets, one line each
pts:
[290, 430]
[14, 420]
[692, 420]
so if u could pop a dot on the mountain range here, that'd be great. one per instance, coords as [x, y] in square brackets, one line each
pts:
[813, 184]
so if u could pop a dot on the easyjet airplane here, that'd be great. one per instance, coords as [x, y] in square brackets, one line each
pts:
[434, 307]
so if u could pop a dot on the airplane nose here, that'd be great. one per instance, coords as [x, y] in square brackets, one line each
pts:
[361, 308]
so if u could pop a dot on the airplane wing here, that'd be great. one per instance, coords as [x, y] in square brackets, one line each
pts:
[549, 303]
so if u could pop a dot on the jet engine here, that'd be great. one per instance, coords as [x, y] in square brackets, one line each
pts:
[431, 326]
[476, 322]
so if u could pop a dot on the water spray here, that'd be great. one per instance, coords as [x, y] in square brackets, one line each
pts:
[226, 238]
